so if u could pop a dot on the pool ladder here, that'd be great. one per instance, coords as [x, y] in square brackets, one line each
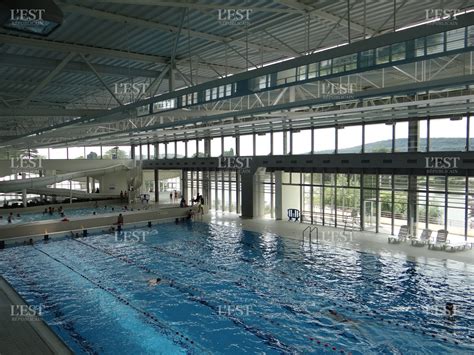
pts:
[310, 230]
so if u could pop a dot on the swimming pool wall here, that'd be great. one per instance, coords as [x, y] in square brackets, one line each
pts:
[36, 230]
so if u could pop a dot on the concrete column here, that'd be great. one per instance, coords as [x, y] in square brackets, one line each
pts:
[88, 185]
[259, 193]
[171, 78]
[184, 184]
[237, 186]
[278, 195]
[413, 135]
[247, 203]
[157, 185]
[206, 188]
[413, 141]
[207, 147]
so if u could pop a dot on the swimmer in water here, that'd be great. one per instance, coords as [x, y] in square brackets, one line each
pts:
[154, 282]
[338, 317]
[449, 308]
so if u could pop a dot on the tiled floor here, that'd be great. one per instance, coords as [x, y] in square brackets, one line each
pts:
[362, 241]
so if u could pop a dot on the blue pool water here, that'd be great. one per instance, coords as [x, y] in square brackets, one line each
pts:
[68, 212]
[229, 291]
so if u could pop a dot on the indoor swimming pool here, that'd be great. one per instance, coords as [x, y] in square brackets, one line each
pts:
[68, 212]
[224, 290]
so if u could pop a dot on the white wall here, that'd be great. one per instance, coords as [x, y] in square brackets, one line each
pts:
[290, 199]
[115, 182]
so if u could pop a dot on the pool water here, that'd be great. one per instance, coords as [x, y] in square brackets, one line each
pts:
[224, 290]
[68, 212]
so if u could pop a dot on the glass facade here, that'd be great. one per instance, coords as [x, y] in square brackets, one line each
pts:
[435, 135]
[220, 189]
[372, 202]
[378, 203]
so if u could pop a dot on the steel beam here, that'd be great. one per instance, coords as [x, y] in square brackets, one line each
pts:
[48, 78]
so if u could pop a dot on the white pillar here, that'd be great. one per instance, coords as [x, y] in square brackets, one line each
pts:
[278, 195]
[23, 176]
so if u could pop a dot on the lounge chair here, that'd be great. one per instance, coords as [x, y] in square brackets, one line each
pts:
[401, 237]
[440, 241]
[454, 246]
[424, 239]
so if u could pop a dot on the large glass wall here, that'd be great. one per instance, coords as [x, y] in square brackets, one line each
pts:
[170, 150]
[382, 205]
[301, 142]
[378, 138]
[278, 147]
[93, 152]
[262, 144]
[246, 145]
[349, 139]
[191, 147]
[439, 134]
[161, 151]
[201, 151]
[100, 152]
[219, 188]
[58, 153]
[216, 147]
[324, 140]
[229, 146]
[180, 149]
[448, 134]
[401, 136]
[269, 194]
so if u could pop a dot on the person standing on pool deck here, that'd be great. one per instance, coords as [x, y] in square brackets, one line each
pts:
[119, 220]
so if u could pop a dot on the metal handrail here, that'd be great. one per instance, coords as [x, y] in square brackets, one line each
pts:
[317, 233]
[304, 230]
[311, 230]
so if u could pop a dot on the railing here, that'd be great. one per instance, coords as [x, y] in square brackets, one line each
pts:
[310, 230]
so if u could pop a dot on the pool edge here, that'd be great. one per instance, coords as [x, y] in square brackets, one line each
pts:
[50, 339]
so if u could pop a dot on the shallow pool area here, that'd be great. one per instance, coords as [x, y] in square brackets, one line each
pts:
[224, 290]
